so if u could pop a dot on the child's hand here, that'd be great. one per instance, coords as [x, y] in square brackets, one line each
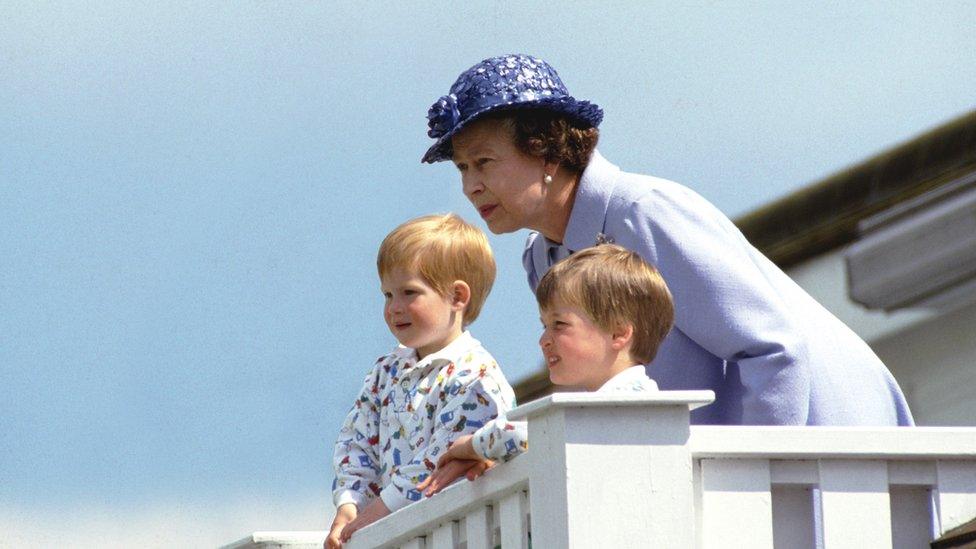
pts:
[459, 460]
[344, 515]
[462, 448]
[372, 513]
[444, 475]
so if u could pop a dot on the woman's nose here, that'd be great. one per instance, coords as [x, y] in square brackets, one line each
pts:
[471, 185]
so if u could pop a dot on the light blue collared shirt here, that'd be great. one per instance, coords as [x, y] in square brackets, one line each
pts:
[743, 328]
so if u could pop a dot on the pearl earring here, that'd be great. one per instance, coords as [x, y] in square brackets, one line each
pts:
[547, 179]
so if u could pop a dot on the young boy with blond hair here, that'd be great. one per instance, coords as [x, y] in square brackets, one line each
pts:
[604, 314]
[439, 384]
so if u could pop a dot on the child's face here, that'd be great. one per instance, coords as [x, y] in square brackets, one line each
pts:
[577, 351]
[418, 316]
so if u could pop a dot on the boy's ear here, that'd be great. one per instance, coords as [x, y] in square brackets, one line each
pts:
[622, 335]
[460, 295]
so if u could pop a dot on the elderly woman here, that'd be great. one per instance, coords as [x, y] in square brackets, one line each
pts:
[526, 152]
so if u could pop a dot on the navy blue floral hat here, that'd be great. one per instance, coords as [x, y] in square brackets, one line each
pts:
[508, 81]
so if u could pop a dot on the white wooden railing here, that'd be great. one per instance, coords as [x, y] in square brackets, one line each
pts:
[627, 471]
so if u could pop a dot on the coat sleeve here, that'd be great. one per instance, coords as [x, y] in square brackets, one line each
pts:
[471, 396]
[723, 300]
[356, 458]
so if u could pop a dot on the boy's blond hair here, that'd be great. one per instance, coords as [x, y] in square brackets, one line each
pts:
[614, 287]
[442, 248]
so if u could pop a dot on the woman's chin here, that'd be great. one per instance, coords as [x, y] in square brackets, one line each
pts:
[500, 226]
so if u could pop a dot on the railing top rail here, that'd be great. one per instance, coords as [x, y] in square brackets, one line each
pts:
[451, 504]
[278, 539]
[833, 442]
[694, 399]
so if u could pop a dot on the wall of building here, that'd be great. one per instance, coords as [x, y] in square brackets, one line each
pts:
[935, 363]
[931, 353]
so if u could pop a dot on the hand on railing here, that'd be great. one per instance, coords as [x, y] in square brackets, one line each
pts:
[459, 460]
[372, 513]
[344, 515]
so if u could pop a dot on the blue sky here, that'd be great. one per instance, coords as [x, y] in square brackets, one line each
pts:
[191, 197]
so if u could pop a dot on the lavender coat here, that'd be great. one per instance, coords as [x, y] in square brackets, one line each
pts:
[771, 353]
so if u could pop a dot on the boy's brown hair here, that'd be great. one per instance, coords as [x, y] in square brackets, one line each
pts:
[614, 287]
[441, 249]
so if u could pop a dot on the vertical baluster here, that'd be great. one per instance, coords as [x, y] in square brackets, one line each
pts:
[478, 528]
[914, 519]
[736, 503]
[793, 511]
[415, 543]
[696, 490]
[956, 493]
[911, 523]
[856, 511]
[445, 536]
[512, 517]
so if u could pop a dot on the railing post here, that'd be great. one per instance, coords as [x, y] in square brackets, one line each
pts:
[611, 470]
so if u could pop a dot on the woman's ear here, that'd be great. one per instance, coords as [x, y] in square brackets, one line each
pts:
[460, 295]
[550, 169]
[622, 336]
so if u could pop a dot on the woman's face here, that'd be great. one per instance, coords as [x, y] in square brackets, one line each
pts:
[505, 185]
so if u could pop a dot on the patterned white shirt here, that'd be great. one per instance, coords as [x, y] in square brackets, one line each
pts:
[408, 413]
[501, 439]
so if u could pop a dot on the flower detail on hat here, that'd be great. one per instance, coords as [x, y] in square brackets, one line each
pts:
[442, 116]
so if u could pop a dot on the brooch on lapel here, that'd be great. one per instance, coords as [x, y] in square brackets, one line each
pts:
[603, 239]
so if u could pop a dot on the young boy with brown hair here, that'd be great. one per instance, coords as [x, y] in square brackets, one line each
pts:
[604, 313]
[436, 386]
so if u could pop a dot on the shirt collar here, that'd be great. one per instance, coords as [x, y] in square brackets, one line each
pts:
[453, 349]
[630, 375]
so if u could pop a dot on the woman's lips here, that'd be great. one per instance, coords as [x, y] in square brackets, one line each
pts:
[486, 211]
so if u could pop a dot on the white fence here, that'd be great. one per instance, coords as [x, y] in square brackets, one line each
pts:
[627, 471]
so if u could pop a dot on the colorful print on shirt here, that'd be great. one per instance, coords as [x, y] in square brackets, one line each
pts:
[406, 416]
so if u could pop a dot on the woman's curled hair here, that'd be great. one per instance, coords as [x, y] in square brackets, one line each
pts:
[550, 135]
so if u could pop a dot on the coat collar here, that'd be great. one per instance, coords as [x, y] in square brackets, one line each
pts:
[587, 220]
